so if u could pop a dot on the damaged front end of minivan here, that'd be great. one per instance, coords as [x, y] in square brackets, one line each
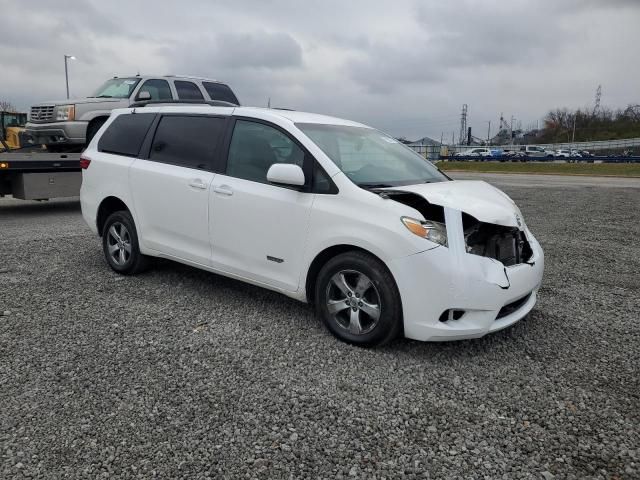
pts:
[484, 278]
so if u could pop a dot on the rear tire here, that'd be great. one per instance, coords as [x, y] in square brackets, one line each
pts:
[357, 299]
[92, 129]
[120, 244]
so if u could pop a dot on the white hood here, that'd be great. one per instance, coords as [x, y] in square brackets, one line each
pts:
[477, 198]
[80, 101]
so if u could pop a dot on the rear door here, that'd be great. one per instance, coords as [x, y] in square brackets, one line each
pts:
[258, 230]
[170, 187]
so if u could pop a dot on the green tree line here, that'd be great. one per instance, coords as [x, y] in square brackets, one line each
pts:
[590, 125]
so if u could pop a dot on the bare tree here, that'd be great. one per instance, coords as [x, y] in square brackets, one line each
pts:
[6, 106]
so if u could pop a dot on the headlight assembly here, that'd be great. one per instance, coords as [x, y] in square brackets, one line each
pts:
[434, 231]
[65, 112]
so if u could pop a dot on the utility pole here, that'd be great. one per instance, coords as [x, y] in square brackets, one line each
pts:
[66, 71]
[453, 138]
[489, 132]
[573, 137]
[511, 129]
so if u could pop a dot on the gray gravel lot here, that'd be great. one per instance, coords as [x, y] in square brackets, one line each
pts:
[179, 373]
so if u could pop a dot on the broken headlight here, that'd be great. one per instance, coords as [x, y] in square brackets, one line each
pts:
[434, 231]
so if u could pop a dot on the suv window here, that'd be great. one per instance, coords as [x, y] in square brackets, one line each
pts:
[188, 90]
[158, 89]
[187, 141]
[255, 147]
[219, 91]
[125, 134]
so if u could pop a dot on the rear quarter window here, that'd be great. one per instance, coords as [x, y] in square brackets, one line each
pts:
[124, 136]
[220, 91]
[188, 90]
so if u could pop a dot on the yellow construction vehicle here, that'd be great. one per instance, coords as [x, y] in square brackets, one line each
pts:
[12, 134]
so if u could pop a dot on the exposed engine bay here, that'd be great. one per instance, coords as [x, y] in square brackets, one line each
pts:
[508, 245]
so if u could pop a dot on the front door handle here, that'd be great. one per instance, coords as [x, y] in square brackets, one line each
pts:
[223, 190]
[197, 183]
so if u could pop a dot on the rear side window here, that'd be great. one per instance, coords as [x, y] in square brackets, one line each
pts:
[187, 141]
[188, 90]
[219, 91]
[124, 136]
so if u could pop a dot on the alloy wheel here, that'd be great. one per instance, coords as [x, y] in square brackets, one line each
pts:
[119, 243]
[353, 301]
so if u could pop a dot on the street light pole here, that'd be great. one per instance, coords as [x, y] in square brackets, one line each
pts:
[66, 71]
[488, 131]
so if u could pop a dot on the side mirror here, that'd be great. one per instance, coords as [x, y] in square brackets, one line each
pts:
[143, 96]
[286, 174]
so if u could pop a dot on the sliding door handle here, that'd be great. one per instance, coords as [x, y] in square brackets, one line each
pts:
[197, 183]
[223, 190]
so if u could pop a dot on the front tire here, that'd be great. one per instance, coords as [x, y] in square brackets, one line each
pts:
[358, 300]
[120, 244]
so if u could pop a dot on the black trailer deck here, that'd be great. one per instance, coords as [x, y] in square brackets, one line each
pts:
[39, 162]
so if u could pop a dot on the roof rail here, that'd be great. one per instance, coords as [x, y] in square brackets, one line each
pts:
[212, 103]
[193, 78]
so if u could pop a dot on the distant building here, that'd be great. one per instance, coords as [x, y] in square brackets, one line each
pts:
[424, 141]
[427, 147]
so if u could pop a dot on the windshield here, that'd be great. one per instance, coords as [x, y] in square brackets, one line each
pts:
[116, 88]
[370, 158]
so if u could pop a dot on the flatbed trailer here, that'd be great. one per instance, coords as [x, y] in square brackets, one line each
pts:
[40, 175]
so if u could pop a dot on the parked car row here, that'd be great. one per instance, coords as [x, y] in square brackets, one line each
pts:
[523, 152]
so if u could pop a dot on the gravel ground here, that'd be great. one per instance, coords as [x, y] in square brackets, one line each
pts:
[179, 373]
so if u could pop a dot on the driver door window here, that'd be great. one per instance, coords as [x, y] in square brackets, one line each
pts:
[158, 89]
[255, 147]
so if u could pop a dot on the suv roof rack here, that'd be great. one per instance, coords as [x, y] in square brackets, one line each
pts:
[212, 103]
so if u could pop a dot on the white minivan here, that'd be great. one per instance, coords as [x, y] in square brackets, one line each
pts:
[324, 210]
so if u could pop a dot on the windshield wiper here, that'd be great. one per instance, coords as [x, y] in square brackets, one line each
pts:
[103, 96]
[373, 186]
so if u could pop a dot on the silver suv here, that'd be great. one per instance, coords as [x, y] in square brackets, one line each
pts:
[68, 125]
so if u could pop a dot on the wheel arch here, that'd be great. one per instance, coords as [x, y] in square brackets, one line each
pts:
[323, 257]
[108, 206]
[94, 121]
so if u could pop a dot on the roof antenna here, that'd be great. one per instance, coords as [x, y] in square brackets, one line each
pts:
[269, 103]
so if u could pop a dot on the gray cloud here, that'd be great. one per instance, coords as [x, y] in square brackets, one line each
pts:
[263, 50]
[405, 67]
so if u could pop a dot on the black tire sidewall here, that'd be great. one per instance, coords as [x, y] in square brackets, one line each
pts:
[132, 264]
[390, 321]
[92, 129]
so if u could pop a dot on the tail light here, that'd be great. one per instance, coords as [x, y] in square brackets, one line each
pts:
[84, 162]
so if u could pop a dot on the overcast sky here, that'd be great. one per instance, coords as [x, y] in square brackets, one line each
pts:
[405, 67]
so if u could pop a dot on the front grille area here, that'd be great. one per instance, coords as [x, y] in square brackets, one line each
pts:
[42, 113]
[509, 308]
